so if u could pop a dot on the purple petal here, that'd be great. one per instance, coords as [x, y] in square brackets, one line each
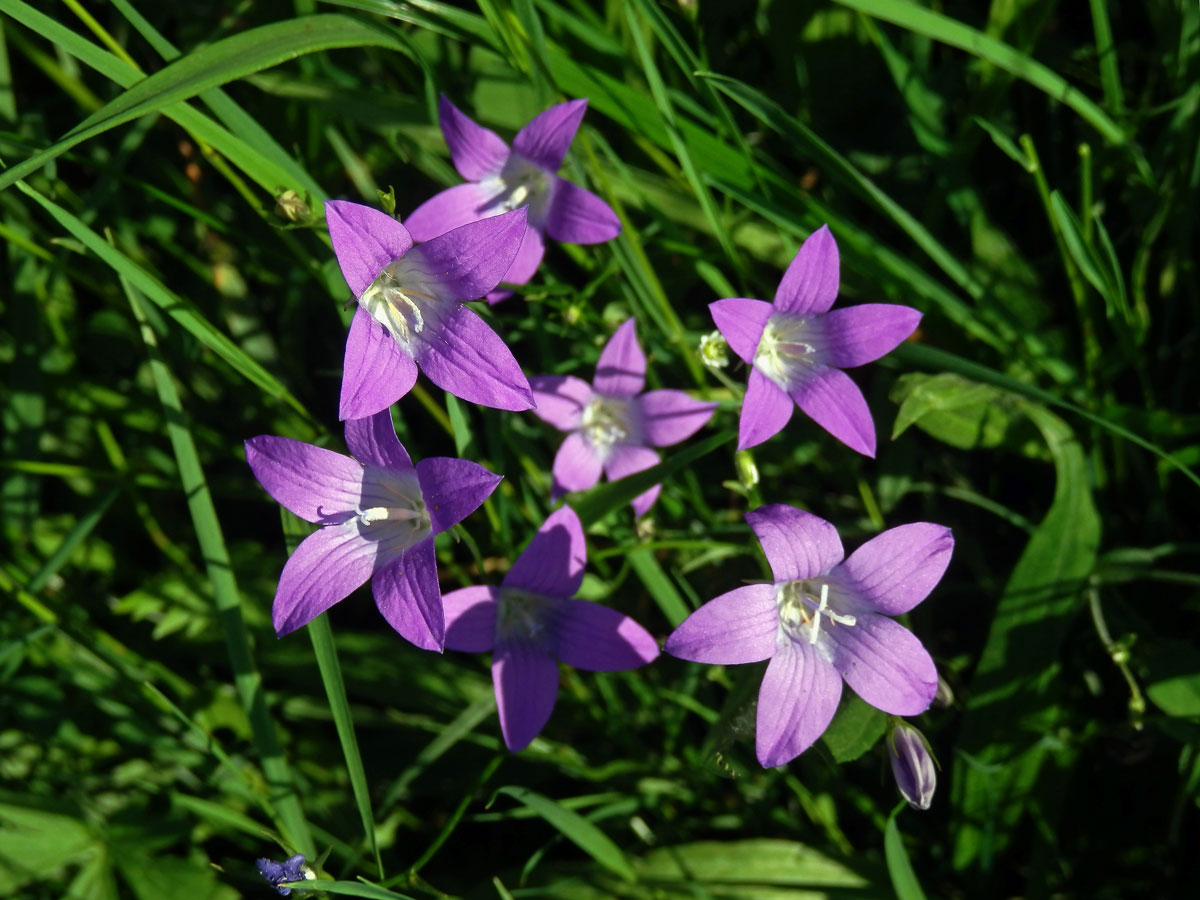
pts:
[548, 135]
[766, 409]
[471, 618]
[737, 627]
[477, 152]
[896, 570]
[451, 208]
[407, 593]
[376, 371]
[576, 466]
[797, 544]
[470, 260]
[810, 284]
[461, 354]
[621, 369]
[526, 682]
[742, 323]
[317, 485]
[668, 417]
[453, 489]
[528, 258]
[796, 703]
[856, 335]
[626, 459]
[327, 566]
[599, 639]
[833, 401]
[560, 399]
[553, 563]
[577, 216]
[364, 240]
[373, 441]
[884, 663]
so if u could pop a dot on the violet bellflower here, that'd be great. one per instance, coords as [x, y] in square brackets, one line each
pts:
[380, 514]
[797, 347]
[499, 179]
[612, 424]
[529, 623]
[410, 310]
[822, 621]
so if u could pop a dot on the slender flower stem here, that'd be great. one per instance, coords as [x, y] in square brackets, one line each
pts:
[1119, 654]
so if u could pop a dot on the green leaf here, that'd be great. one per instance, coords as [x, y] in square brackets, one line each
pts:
[658, 583]
[952, 409]
[347, 889]
[904, 879]
[576, 829]
[856, 728]
[603, 499]
[753, 869]
[217, 63]
[1173, 682]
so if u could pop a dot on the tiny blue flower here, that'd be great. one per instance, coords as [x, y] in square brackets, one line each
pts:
[279, 872]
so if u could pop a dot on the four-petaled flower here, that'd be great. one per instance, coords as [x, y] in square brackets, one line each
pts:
[612, 424]
[797, 349]
[380, 514]
[410, 310]
[821, 621]
[529, 622]
[499, 179]
[278, 873]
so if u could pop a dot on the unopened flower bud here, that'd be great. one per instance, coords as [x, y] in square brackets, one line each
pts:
[289, 205]
[944, 697]
[913, 765]
[746, 469]
[713, 350]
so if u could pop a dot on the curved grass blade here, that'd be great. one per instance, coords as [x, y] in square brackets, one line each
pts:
[575, 828]
[900, 870]
[346, 889]
[218, 63]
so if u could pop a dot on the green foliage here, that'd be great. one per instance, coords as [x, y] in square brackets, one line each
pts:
[1015, 170]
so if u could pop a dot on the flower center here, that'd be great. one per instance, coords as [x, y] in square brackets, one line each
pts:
[801, 606]
[787, 346]
[522, 614]
[397, 512]
[521, 183]
[400, 299]
[606, 422]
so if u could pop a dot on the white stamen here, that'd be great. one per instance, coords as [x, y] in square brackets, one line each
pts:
[373, 514]
[517, 197]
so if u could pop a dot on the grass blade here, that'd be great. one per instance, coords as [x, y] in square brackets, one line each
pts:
[904, 879]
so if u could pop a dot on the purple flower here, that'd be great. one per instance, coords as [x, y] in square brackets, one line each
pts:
[500, 179]
[912, 764]
[380, 515]
[410, 310]
[529, 622]
[797, 349]
[821, 621]
[277, 873]
[612, 424]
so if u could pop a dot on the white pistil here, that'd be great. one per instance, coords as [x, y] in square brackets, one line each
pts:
[605, 422]
[390, 514]
[799, 606]
[782, 349]
[397, 308]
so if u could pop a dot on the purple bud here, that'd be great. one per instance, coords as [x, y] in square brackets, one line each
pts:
[279, 872]
[913, 765]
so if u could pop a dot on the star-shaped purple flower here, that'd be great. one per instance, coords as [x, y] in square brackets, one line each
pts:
[529, 622]
[821, 621]
[797, 348]
[612, 424]
[500, 179]
[278, 873]
[410, 312]
[380, 514]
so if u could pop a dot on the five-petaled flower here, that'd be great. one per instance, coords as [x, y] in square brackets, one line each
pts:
[797, 348]
[380, 514]
[529, 622]
[279, 873]
[499, 179]
[821, 621]
[410, 310]
[612, 424]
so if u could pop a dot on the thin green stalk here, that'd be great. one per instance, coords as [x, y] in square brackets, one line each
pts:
[247, 679]
[456, 816]
[1085, 192]
[1106, 56]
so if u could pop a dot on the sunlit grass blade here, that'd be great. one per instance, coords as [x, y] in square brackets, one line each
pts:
[659, 585]
[222, 61]
[211, 539]
[347, 889]
[575, 828]
[177, 308]
[900, 870]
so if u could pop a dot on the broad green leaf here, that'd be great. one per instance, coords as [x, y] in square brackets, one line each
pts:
[755, 869]
[169, 878]
[952, 409]
[576, 829]
[856, 728]
[218, 63]
[1173, 680]
[36, 840]
[904, 879]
